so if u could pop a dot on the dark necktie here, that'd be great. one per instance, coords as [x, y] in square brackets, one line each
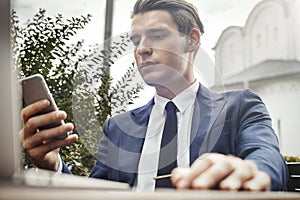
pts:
[168, 147]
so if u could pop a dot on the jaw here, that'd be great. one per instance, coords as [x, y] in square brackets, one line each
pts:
[167, 81]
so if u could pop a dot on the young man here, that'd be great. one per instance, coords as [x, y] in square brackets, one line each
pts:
[221, 141]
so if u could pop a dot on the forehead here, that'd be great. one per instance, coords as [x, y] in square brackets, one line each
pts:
[153, 19]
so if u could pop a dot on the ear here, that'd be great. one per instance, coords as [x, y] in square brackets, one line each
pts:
[194, 40]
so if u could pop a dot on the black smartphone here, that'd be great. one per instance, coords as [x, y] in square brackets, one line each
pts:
[34, 88]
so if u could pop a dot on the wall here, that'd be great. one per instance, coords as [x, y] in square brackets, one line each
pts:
[271, 32]
[282, 97]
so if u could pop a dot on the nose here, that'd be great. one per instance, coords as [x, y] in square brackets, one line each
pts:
[144, 50]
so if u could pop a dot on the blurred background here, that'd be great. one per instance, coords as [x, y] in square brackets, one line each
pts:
[247, 44]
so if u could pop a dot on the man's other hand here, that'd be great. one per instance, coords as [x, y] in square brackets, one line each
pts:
[214, 170]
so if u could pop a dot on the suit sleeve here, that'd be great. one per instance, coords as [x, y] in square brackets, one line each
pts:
[100, 169]
[65, 168]
[257, 141]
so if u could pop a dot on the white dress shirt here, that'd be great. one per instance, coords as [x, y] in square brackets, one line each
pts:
[148, 164]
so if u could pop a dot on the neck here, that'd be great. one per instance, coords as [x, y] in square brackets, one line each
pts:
[171, 92]
[177, 83]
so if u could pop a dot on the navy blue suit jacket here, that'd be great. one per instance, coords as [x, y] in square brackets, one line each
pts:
[234, 123]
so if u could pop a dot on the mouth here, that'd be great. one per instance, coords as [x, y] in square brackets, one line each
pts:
[147, 64]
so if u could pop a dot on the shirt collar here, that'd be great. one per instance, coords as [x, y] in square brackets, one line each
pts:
[182, 100]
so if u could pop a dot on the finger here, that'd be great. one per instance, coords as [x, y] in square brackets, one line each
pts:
[39, 153]
[33, 109]
[244, 170]
[54, 144]
[184, 177]
[179, 178]
[33, 123]
[261, 182]
[21, 134]
[47, 135]
[213, 175]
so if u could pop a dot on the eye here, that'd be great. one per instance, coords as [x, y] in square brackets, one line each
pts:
[135, 40]
[136, 43]
[157, 36]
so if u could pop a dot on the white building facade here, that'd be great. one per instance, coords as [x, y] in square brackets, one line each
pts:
[264, 56]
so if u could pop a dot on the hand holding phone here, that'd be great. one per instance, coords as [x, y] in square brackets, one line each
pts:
[34, 88]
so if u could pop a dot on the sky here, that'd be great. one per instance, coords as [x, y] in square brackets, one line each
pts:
[216, 15]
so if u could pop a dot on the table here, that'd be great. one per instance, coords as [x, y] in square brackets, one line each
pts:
[8, 192]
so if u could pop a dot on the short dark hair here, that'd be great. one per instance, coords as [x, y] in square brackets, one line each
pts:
[184, 14]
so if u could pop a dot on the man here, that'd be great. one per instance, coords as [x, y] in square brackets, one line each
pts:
[222, 141]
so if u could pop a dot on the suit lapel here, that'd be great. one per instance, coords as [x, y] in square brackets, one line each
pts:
[206, 128]
[131, 142]
[207, 123]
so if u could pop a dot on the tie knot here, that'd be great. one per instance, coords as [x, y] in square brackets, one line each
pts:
[171, 106]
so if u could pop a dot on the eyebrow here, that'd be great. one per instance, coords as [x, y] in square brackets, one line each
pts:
[151, 30]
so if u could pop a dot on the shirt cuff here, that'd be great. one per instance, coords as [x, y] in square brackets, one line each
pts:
[60, 166]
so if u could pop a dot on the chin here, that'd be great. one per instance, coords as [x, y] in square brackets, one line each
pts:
[150, 82]
[155, 80]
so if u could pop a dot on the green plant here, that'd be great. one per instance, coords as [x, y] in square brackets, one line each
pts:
[43, 46]
[291, 158]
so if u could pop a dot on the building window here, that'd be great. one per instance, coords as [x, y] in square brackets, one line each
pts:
[258, 41]
[275, 34]
[267, 35]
